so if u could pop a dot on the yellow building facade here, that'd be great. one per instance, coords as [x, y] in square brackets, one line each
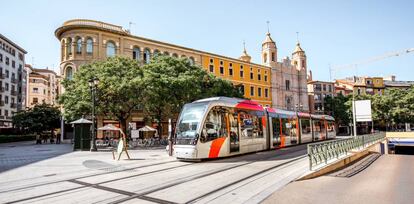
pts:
[83, 41]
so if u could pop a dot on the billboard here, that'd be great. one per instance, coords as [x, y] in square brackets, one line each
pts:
[363, 110]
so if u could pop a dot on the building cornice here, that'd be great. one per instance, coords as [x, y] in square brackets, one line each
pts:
[102, 26]
[12, 43]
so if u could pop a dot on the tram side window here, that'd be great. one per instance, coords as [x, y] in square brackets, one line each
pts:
[331, 127]
[289, 129]
[276, 127]
[286, 127]
[317, 126]
[306, 126]
[215, 125]
[250, 125]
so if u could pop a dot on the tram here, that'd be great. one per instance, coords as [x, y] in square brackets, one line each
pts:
[221, 127]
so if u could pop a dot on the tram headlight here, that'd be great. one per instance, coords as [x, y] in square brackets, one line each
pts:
[194, 141]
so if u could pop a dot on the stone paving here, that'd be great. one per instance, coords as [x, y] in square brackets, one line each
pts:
[389, 179]
[54, 174]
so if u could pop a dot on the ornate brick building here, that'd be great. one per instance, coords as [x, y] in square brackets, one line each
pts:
[271, 83]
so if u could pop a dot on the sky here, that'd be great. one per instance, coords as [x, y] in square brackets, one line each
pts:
[332, 33]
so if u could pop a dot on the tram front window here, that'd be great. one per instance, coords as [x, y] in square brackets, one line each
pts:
[215, 125]
[188, 123]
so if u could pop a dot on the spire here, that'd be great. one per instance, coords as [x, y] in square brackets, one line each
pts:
[268, 26]
[297, 37]
[268, 39]
[245, 57]
[298, 48]
[244, 49]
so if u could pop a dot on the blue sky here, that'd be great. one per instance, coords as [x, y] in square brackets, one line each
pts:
[331, 32]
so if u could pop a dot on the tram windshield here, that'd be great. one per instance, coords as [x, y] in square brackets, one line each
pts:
[189, 120]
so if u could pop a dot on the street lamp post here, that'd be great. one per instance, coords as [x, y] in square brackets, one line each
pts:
[93, 83]
[298, 107]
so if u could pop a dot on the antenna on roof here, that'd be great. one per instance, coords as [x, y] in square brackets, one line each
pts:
[33, 65]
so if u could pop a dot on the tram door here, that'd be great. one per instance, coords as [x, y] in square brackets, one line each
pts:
[276, 141]
[234, 132]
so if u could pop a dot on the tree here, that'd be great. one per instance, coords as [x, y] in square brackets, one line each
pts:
[339, 108]
[42, 117]
[119, 91]
[172, 82]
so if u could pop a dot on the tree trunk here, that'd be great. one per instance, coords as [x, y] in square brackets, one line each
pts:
[123, 127]
[159, 118]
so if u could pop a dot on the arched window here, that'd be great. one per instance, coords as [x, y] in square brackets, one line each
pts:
[89, 46]
[147, 56]
[69, 73]
[166, 53]
[175, 55]
[183, 56]
[265, 58]
[156, 53]
[192, 61]
[136, 54]
[79, 46]
[110, 49]
[69, 46]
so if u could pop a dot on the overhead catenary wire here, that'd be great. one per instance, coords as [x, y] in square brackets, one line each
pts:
[333, 69]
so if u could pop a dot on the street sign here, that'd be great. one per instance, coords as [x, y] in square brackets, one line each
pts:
[363, 111]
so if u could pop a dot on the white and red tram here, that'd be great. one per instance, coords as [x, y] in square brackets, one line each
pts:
[222, 126]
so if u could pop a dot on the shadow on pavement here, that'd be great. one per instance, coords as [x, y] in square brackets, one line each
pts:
[17, 154]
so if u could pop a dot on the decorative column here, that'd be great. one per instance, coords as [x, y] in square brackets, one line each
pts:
[83, 48]
[73, 48]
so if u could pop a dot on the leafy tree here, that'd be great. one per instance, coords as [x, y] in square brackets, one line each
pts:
[339, 108]
[42, 117]
[119, 91]
[172, 82]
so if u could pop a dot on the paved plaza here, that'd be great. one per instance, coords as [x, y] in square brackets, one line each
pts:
[389, 179]
[52, 173]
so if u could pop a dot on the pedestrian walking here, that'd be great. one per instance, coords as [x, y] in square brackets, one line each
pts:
[38, 140]
[58, 138]
[44, 139]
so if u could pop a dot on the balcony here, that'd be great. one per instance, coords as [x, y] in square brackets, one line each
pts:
[13, 93]
[1, 116]
[14, 80]
[1, 103]
[2, 76]
[1, 89]
[13, 105]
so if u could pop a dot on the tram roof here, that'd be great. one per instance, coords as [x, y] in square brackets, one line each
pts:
[233, 102]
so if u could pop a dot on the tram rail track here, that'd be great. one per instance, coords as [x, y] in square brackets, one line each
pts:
[87, 176]
[143, 195]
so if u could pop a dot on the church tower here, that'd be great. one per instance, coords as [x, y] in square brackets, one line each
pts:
[299, 58]
[269, 51]
[299, 62]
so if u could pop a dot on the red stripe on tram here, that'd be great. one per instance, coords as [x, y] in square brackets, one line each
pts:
[215, 147]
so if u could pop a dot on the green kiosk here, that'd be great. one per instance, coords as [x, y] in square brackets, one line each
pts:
[82, 134]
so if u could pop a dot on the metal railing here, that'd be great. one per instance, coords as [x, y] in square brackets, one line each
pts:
[322, 152]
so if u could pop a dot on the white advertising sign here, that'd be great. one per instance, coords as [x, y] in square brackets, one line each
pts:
[363, 111]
